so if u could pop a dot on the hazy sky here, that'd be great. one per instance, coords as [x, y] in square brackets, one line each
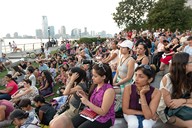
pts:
[24, 16]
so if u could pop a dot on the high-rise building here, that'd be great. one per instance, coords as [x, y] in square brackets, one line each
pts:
[85, 33]
[8, 35]
[75, 33]
[93, 33]
[63, 31]
[16, 35]
[45, 27]
[39, 33]
[52, 31]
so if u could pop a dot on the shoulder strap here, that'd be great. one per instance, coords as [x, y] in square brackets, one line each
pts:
[36, 124]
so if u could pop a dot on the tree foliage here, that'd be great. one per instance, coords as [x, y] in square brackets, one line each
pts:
[130, 13]
[90, 40]
[172, 14]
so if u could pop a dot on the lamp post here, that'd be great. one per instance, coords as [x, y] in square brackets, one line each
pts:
[80, 33]
[49, 33]
[1, 41]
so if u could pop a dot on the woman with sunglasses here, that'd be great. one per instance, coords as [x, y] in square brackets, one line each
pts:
[101, 100]
[176, 90]
[140, 100]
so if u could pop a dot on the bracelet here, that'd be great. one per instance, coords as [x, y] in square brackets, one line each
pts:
[144, 104]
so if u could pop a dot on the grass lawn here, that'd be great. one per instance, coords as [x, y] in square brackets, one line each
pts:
[2, 74]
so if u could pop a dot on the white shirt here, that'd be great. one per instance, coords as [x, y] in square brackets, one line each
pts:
[33, 79]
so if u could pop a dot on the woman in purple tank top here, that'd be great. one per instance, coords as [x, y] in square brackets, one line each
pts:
[101, 100]
[140, 100]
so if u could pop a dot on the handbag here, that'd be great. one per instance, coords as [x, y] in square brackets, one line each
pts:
[183, 112]
[65, 106]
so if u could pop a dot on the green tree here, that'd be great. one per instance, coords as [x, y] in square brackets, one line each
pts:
[130, 13]
[172, 14]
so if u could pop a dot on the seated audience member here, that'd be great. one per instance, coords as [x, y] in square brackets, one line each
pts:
[46, 112]
[27, 92]
[25, 105]
[176, 91]
[62, 77]
[142, 54]
[15, 48]
[167, 56]
[11, 88]
[52, 70]
[140, 100]
[125, 67]
[18, 74]
[42, 66]
[21, 119]
[5, 60]
[30, 75]
[76, 83]
[2, 66]
[101, 101]
[22, 64]
[6, 107]
[188, 47]
[46, 87]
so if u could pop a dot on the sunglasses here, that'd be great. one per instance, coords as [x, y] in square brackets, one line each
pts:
[145, 66]
[101, 66]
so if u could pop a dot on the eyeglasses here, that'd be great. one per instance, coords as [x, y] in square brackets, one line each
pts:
[145, 66]
[100, 64]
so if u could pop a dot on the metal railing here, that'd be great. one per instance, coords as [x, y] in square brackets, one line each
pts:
[23, 47]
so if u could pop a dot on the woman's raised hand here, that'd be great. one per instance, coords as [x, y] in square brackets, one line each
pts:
[74, 76]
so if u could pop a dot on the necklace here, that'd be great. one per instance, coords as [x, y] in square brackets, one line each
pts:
[138, 92]
[121, 62]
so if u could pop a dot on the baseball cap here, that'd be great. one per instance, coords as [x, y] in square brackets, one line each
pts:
[126, 43]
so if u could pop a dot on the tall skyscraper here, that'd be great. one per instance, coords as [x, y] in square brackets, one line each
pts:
[63, 31]
[52, 31]
[15, 35]
[75, 33]
[39, 34]
[45, 27]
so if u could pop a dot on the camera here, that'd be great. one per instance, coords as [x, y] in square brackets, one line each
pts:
[91, 62]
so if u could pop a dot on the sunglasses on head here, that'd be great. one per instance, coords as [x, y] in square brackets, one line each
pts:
[145, 66]
[101, 66]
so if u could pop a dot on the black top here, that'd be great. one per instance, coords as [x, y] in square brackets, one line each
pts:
[48, 113]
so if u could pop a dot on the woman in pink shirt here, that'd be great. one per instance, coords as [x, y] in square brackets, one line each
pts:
[11, 88]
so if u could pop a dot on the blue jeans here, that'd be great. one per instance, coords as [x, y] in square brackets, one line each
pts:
[5, 96]
[140, 120]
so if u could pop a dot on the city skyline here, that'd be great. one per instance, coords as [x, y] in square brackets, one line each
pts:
[25, 17]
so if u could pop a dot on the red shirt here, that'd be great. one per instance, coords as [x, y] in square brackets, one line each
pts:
[14, 85]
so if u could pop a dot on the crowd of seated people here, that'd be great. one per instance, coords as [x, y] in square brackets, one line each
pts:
[115, 78]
